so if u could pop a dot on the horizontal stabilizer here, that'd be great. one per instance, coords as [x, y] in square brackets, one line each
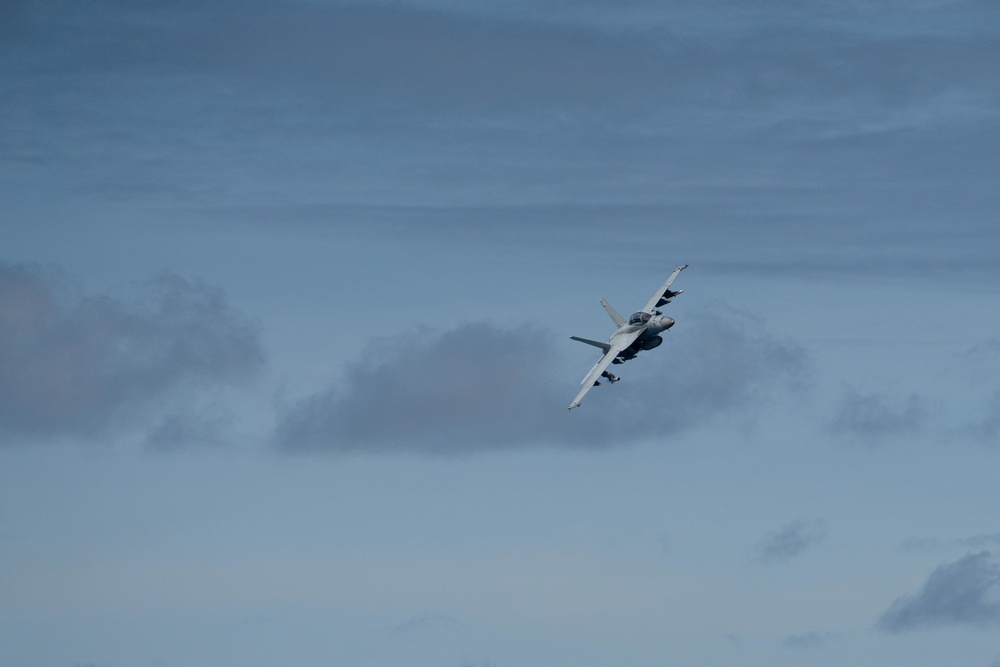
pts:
[603, 346]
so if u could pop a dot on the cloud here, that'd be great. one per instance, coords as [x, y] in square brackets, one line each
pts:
[477, 383]
[481, 386]
[872, 416]
[975, 368]
[966, 592]
[986, 428]
[393, 56]
[793, 539]
[74, 365]
[311, 71]
[976, 364]
[933, 411]
[847, 118]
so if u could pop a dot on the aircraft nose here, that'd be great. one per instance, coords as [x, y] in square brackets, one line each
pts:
[668, 322]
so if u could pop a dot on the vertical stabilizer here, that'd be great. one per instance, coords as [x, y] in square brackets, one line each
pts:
[613, 314]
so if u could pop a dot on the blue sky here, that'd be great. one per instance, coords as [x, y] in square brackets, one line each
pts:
[286, 292]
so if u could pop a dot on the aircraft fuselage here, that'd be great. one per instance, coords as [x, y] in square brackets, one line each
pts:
[651, 326]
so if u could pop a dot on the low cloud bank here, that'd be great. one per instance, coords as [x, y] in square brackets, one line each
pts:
[481, 386]
[73, 365]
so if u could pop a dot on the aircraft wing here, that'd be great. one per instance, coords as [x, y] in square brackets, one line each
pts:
[618, 343]
[651, 304]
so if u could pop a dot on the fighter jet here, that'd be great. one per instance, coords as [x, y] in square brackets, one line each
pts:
[639, 332]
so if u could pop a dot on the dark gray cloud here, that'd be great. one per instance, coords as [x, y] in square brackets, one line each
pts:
[965, 592]
[72, 364]
[872, 417]
[481, 386]
[791, 540]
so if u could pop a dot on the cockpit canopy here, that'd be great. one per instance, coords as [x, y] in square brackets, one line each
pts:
[639, 318]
